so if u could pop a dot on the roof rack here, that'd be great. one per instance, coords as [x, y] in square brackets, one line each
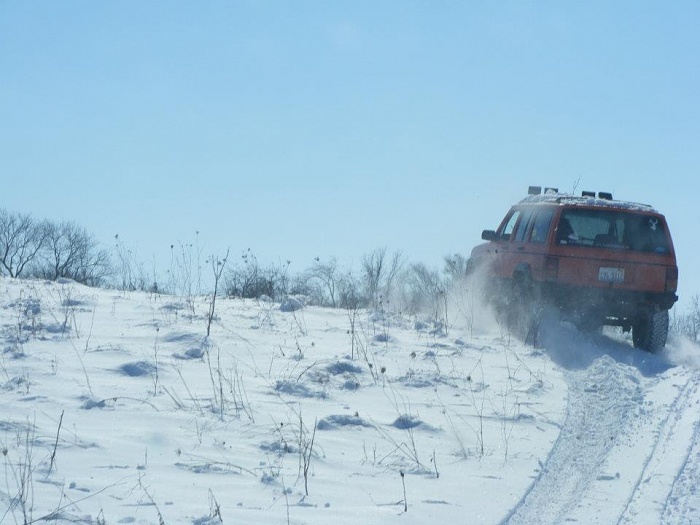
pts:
[552, 195]
[537, 190]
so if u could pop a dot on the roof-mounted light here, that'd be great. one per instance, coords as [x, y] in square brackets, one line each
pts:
[534, 190]
[551, 190]
[588, 194]
[605, 195]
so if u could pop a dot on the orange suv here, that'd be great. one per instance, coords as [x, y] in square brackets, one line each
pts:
[598, 261]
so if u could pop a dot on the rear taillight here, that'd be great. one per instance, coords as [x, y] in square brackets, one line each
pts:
[671, 278]
[551, 269]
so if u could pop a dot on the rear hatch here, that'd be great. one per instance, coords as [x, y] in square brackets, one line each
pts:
[614, 249]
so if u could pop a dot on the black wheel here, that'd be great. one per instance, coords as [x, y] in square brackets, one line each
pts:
[650, 331]
[522, 312]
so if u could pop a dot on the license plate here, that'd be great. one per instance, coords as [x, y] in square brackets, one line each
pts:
[611, 275]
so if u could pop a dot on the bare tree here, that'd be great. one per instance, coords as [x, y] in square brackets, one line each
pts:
[456, 266]
[688, 324]
[70, 251]
[349, 292]
[326, 273]
[426, 289]
[379, 272]
[21, 240]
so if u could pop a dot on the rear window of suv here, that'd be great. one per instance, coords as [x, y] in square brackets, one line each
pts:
[612, 229]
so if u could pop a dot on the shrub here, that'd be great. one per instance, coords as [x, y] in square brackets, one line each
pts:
[249, 280]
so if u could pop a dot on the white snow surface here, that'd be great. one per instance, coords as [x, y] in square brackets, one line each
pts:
[114, 408]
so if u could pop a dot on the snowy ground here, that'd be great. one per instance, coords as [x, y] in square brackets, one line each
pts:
[114, 408]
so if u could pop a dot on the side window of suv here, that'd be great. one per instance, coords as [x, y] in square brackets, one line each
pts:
[523, 225]
[510, 225]
[540, 229]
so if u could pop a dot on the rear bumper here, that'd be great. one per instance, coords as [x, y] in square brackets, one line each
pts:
[609, 306]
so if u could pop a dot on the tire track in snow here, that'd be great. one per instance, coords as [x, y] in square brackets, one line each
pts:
[601, 400]
[670, 457]
[683, 503]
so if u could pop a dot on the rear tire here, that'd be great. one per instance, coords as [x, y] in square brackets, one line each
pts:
[523, 312]
[650, 331]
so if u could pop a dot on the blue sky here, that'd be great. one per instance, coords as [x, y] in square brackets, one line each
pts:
[328, 129]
